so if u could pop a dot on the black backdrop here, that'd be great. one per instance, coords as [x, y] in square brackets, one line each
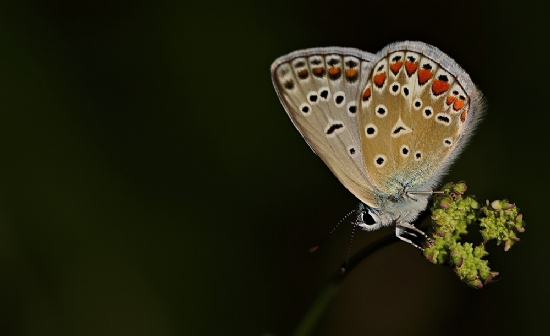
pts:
[151, 184]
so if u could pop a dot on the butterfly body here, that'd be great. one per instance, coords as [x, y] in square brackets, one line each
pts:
[388, 125]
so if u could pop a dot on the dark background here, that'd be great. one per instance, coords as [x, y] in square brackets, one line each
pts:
[151, 183]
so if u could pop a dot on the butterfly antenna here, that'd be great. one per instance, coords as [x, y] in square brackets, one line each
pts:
[431, 192]
[345, 264]
[314, 248]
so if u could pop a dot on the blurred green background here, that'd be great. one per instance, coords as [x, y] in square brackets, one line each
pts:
[151, 183]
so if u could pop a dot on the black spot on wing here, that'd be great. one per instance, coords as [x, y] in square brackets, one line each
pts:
[444, 119]
[398, 129]
[351, 64]
[333, 128]
[289, 84]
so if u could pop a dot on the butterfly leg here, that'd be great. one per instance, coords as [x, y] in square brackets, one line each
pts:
[415, 229]
[401, 229]
[399, 232]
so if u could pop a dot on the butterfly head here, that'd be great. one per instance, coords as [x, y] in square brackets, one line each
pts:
[391, 209]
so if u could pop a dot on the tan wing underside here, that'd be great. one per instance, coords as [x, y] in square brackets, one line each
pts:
[417, 111]
[318, 92]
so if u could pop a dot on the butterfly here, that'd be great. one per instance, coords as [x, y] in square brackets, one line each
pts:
[388, 125]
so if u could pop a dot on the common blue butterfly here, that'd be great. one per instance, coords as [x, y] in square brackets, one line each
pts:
[388, 125]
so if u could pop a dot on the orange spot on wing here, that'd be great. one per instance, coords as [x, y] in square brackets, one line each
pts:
[439, 86]
[458, 104]
[424, 75]
[379, 79]
[303, 74]
[333, 71]
[366, 94]
[395, 67]
[318, 71]
[411, 67]
[463, 115]
[350, 73]
[450, 100]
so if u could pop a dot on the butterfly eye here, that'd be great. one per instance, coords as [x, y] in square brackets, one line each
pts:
[369, 217]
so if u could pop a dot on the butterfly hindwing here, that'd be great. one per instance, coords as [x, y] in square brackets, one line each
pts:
[420, 110]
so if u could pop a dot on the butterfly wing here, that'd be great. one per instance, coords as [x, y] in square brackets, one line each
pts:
[320, 89]
[418, 109]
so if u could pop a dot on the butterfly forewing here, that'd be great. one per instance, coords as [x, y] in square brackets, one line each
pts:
[321, 91]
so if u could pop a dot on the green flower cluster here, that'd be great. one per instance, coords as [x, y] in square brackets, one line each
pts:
[452, 213]
[500, 221]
